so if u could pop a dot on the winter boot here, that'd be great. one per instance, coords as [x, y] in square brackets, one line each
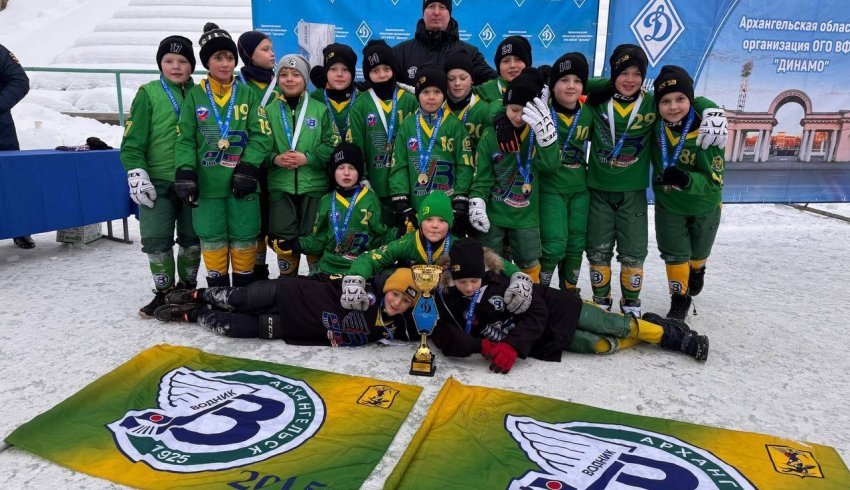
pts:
[177, 313]
[604, 303]
[696, 280]
[630, 307]
[218, 281]
[149, 309]
[243, 279]
[185, 296]
[679, 337]
[261, 272]
[679, 306]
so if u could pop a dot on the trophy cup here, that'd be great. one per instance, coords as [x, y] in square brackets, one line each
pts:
[425, 316]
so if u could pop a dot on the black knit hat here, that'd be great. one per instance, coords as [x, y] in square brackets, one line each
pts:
[569, 64]
[175, 45]
[524, 88]
[346, 153]
[671, 79]
[339, 53]
[430, 75]
[215, 39]
[378, 52]
[248, 43]
[626, 55]
[513, 45]
[467, 259]
[458, 59]
[447, 3]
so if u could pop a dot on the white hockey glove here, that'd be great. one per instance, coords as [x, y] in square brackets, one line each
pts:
[142, 192]
[544, 94]
[365, 183]
[712, 131]
[478, 215]
[407, 88]
[354, 295]
[536, 114]
[518, 293]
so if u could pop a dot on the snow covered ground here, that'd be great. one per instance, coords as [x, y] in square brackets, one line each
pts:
[774, 304]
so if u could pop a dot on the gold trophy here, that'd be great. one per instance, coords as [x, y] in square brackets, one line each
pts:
[425, 317]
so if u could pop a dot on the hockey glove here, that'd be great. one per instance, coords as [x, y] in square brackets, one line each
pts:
[365, 183]
[712, 131]
[186, 187]
[505, 134]
[407, 88]
[244, 180]
[674, 176]
[142, 192]
[460, 209]
[536, 114]
[319, 76]
[502, 355]
[518, 293]
[404, 213]
[478, 215]
[354, 295]
[285, 246]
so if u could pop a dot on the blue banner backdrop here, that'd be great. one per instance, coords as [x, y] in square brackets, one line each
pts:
[553, 27]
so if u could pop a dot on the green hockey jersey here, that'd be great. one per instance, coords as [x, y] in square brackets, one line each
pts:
[571, 173]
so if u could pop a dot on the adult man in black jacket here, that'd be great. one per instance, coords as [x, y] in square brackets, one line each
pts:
[437, 34]
[14, 85]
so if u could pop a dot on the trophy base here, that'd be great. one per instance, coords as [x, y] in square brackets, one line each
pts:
[420, 367]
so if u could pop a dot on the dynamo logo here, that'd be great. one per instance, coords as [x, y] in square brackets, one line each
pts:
[364, 32]
[656, 28]
[487, 35]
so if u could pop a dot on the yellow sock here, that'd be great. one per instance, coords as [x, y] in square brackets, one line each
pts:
[216, 261]
[288, 264]
[243, 259]
[600, 276]
[626, 343]
[534, 273]
[602, 346]
[677, 278]
[610, 345]
[646, 331]
[698, 264]
[631, 278]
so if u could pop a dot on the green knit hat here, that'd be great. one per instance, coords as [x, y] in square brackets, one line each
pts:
[436, 204]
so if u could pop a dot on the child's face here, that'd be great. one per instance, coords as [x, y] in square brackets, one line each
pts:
[263, 56]
[396, 302]
[434, 229]
[291, 82]
[459, 82]
[468, 286]
[345, 175]
[222, 64]
[674, 106]
[567, 90]
[628, 82]
[431, 99]
[514, 112]
[176, 68]
[380, 73]
[339, 78]
[510, 66]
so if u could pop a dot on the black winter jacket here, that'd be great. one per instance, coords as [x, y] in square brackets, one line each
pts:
[14, 85]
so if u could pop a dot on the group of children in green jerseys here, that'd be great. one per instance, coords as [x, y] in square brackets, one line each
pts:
[535, 168]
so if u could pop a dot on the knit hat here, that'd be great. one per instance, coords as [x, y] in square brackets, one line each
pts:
[215, 39]
[569, 64]
[467, 259]
[438, 204]
[626, 55]
[458, 59]
[447, 3]
[346, 153]
[430, 75]
[402, 280]
[515, 45]
[248, 43]
[297, 62]
[340, 53]
[378, 52]
[175, 45]
[673, 79]
[524, 88]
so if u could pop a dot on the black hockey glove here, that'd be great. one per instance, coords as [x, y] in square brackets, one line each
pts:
[285, 246]
[674, 176]
[505, 134]
[460, 209]
[319, 76]
[403, 211]
[244, 180]
[186, 186]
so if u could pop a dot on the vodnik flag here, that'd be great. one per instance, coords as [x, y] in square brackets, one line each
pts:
[477, 437]
[175, 417]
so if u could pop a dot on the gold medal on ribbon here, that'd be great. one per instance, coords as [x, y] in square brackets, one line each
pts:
[423, 179]
[337, 250]
[526, 188]
[223, 144]
[388, 149]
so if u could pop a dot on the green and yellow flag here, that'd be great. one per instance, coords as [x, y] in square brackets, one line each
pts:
[175, 417]
[477, 437]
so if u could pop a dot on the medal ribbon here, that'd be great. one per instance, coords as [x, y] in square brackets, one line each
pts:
[170, 95]
[662, 137]
[391, 128]
[340, 234]
[224, 128]
[447, 244]
[470, 312]
[573, 126]
[424, 157]
[619, 146]
[287, 128]
[341, 129]
[525, 168]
